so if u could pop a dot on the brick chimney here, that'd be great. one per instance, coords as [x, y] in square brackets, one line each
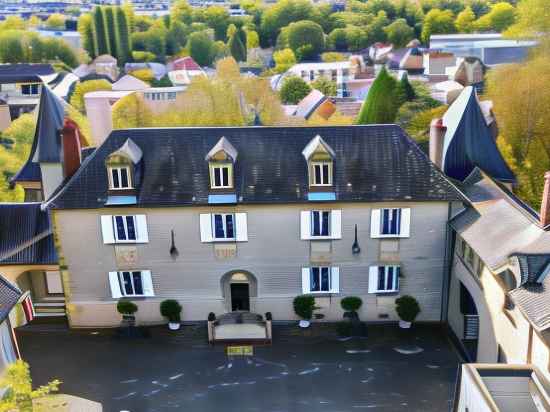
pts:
[437, 138]
[71, 148]
[545, 204]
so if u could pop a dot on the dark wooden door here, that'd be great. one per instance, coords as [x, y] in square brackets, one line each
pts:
[240, 296]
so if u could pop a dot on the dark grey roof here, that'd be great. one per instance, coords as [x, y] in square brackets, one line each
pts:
[24, 72]
[9, 296]
[372, 163]
[534, 301]
[533, 268]
[46, 146]
[26, 235]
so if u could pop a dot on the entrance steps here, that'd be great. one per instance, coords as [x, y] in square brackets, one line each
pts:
[50, 307]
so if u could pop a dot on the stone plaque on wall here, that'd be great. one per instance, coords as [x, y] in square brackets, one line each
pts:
[225, 250]
[389, 250]
[126, 256]
[320, 251]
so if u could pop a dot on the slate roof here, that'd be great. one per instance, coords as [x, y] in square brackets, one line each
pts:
[26, 235]
[24, 72]
[372, 163]
[9, 296]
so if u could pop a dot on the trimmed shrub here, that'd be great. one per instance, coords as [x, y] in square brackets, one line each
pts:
[293, 90]
[407, 308]
[304, 306]
[211, 317]
[381, 104]
[126, 307]
[171, 309]
[351, 303]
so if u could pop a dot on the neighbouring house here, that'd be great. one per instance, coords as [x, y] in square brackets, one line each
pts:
[104, 65]
[158, 69]
[436, 63]
[185, 213]
[9, 298]
[182, 70]
[409, 59]
[314, 103]
[379, 53]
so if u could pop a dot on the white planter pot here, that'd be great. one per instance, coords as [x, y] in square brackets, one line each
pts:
[174, 325]
[404, 324]
[304, 323]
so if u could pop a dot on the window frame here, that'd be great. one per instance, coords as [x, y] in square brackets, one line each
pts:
[395, 275]
[312, 227]
[224, 222]
[119, 169]
[398, 225]
[313, 176]
[125, 225]
[122, 283]
[221, 166]
[320, 274]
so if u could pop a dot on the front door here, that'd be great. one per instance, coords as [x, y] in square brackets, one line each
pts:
[240, 297]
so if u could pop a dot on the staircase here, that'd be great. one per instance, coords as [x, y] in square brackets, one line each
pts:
[50, 307]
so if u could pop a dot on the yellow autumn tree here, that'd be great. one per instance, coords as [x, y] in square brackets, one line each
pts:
[131, 112]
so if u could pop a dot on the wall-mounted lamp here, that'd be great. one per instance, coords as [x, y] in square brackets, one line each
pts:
[173, 249]
[355, 249]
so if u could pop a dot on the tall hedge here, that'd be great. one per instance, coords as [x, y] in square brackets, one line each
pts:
[123, 45]
[100, 33]
[381, 104]
[237, 48]
[111, 30]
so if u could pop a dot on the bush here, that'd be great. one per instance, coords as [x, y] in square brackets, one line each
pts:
[211, 317]
[325, 85]
[143, 56]
[293, 90]
[171, 309]
[351, 303]
[407, 308]
[304, 306]
[126, 307]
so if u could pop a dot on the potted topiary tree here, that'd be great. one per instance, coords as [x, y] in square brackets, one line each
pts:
[127, 309]
[351, 305]
[304, 305]
[171, 309]
[408, 309]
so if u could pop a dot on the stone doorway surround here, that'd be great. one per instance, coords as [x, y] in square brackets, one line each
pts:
[238, 277]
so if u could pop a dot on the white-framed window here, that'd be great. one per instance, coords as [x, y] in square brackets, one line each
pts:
[124, 229]
[120, 178]
[321, 173]
[136, 283]
[384, 279]
[390, 222]
[223, 225]
[221, 176]
[321, 279]
[30, 89]
[320, 223]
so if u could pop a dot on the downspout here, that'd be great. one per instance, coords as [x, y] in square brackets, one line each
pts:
[449, 247]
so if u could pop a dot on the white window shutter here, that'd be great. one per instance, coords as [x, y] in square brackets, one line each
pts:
[305, 281]
[336, 224]
[116, 293]
[242, 229]
[375, 223]
[305, 224]
[373, 279]
[142, 233]
[405, 222]
[107, 229]
[206, 227]
[147, 283]
[335, 280]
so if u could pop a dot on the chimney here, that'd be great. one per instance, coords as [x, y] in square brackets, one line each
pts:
[545, 204]
[437, 138]
[71, 148]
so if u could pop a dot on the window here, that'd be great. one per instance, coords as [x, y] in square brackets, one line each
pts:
[319, 279]
[119, 178]
[321, 173]
[391, 222]
[131, 283]
[320, 223]
[220, 176]
[384, 279]
[224, 226]
[125, 228]
[29, 89]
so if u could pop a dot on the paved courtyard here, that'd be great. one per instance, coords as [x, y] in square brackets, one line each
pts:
[316, 372]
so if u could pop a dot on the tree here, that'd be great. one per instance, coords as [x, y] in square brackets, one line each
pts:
[284, 60]
[284, 12]
[237, 48]
[437, 22]
[399, 33]
[11, 47]
[13, 23]
[381, 104]
[86, 30]
[200, 47]
[19, 393]
[176, 37]
[123, 46]
[375, 30]
[303, 34]
[131, 112]
[55, 21]
[404, 91]
[58, 50]
[501, 16]
[181, 11]
[325, 86]
[100, 33]
[77, 98]
[532, 19]
[145, 75]
[111, 31]
[465, 20]
[217, 18]
[252, 39]
[338, 39]
[293, 90]
[328, 57]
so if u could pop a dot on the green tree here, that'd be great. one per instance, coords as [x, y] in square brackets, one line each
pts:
[252, 39]
[501, 16]
[465, 20]
[181, 11]
[381, 104]
[100, 33]
[176, 37]
[131, 112]
[437, 22]
[337, 39]
[201, 48]
[375, 29]
[111, 31]
[123, 45]
[325, 86]
[328, 57]
[11, 47]
[284, 60]
[237, 48]
[58, 50]
[217, 18]
[293, 90]
[306, 33]
[284, 12]
[399, 33]
[13, 23]
[404, 91]
[532, 19]
[55, 21]
[86, 30]
[77, 98]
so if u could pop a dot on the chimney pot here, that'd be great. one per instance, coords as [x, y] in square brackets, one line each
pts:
[437, 137]
[545, 204]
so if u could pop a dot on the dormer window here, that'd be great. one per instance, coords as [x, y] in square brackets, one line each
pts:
[321, 173]
[121, 166]
[320, 158]
[120, 178]
[221, 159]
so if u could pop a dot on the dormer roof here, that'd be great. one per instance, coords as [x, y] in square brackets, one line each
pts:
[129, 83]
[316, 144]
[223, 145]
[130, 150]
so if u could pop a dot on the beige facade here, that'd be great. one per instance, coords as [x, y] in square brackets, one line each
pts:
[274, 254]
